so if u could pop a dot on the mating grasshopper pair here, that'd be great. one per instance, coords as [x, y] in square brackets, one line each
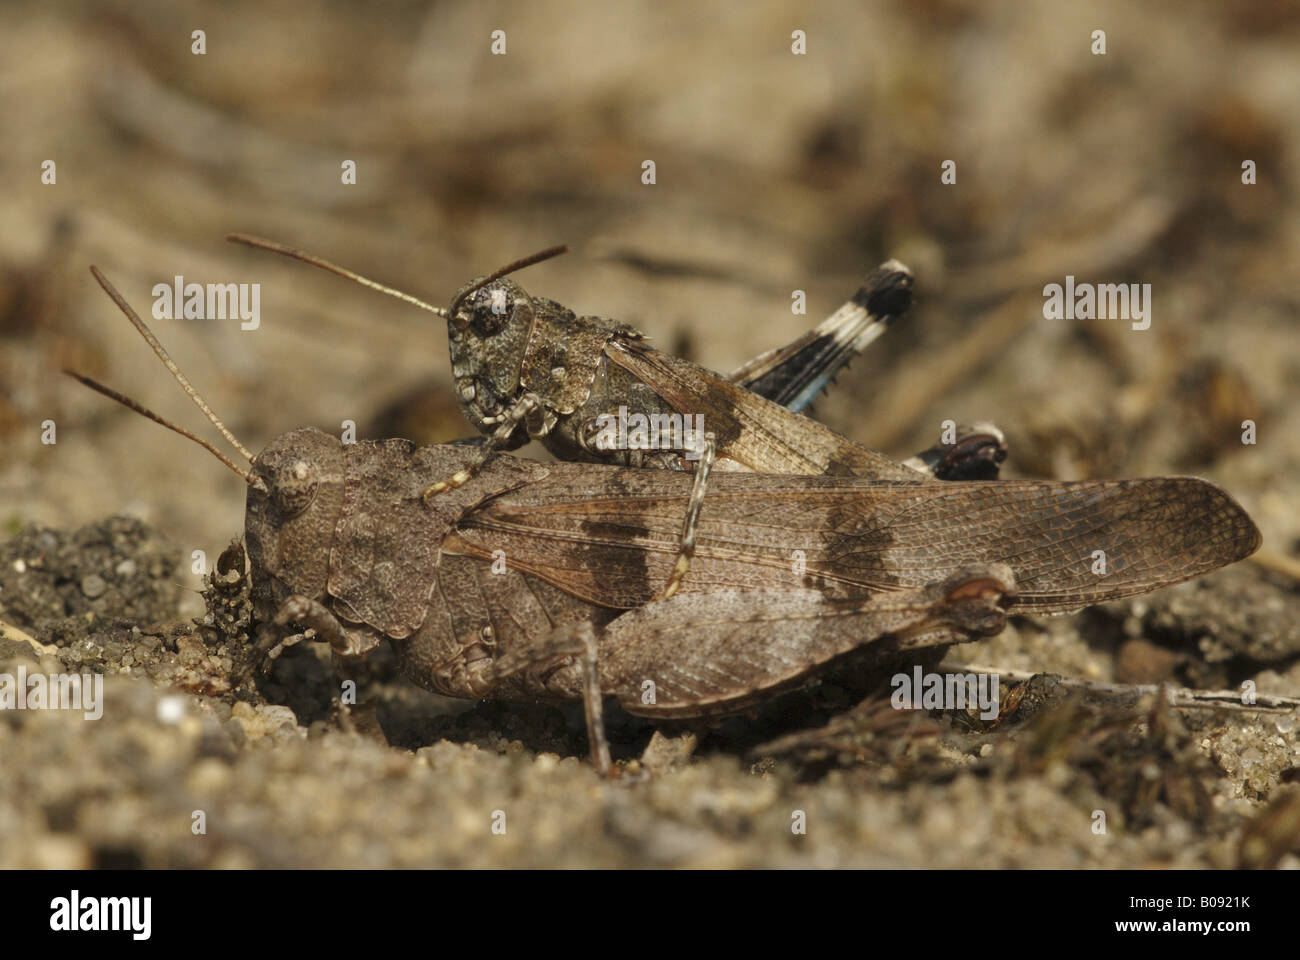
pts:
[680, 592]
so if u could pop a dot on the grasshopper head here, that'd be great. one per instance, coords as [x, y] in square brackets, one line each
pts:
[490, 323]
[289, 525]
[489, 333]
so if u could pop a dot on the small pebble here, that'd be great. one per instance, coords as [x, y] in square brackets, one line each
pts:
[235, 727]
[276, 715]
[93, 585]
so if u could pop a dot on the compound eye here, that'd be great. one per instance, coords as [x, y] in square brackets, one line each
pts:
[492, 308]
[295, 488]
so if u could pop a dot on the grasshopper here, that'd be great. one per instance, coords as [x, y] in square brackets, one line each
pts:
[527, 367]
[345, 547]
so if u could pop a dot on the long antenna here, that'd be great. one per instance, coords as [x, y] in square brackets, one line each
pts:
[253, 481]
[261, 243]
[528, 261]
[145, 332]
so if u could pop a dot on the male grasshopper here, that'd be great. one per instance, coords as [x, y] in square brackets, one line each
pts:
[527, 367]
[346, 547]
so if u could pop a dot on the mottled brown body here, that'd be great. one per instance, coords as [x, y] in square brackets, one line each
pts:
[507, 346]
[522, 549]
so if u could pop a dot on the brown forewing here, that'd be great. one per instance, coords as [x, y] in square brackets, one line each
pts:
[611, 536]
[752, 431]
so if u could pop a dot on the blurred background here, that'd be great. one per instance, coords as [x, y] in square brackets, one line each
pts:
[774, 172]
